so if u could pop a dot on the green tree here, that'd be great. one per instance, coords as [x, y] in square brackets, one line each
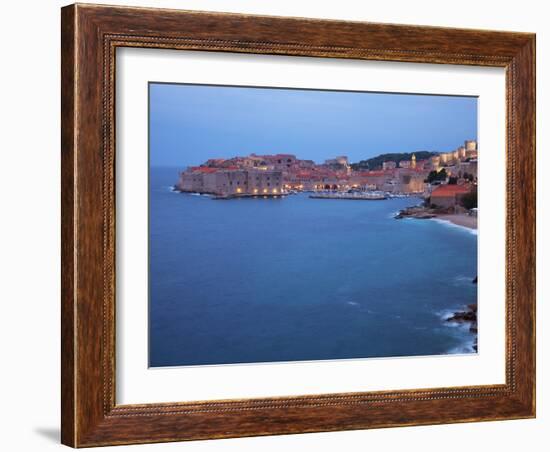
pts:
[375, 163]
[431, 177]
[435, 176]
[469, 200]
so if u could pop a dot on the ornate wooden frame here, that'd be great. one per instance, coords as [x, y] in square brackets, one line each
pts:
[90, 35]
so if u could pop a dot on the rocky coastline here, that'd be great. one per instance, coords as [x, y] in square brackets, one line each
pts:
[467, 316]
[423, 212]
[420, 212]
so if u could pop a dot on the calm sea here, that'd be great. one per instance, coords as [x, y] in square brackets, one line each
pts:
[263, 280]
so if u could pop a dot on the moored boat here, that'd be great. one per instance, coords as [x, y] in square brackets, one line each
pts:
[359, 196]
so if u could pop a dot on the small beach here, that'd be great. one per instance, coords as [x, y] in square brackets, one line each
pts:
[422, 212]
[464, 220]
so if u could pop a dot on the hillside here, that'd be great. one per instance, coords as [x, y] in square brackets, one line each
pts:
[376, 162]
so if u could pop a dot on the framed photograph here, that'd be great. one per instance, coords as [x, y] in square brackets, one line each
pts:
[281, 225]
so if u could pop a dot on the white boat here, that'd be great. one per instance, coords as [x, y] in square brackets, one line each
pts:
[359, 196]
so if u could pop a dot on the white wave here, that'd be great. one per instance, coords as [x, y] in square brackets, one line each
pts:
[463, 326]
[463, 280]
[201, 195]
[353, 303]
[446, 313]
[456, 226]
[461, 331]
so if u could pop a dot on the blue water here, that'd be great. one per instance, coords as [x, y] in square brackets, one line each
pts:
[264, 280]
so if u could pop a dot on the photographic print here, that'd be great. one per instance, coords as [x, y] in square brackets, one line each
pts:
[282, 213]
[303, 224]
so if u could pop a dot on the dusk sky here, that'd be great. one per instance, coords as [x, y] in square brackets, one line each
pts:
[192, 123]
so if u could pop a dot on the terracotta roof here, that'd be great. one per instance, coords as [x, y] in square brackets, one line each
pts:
[414, 170]
[377, 173]
[450, 190]
[203, 169]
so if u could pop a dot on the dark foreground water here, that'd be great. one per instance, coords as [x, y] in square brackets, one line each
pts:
[260, 280]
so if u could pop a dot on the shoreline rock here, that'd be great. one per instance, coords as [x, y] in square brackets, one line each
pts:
[467, 316]
[425, 212]
[419, 213]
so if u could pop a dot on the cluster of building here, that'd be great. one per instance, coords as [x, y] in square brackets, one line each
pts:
[449, 195]
[232, 180]
[273, 175]
[458, 163]
[461, 166]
